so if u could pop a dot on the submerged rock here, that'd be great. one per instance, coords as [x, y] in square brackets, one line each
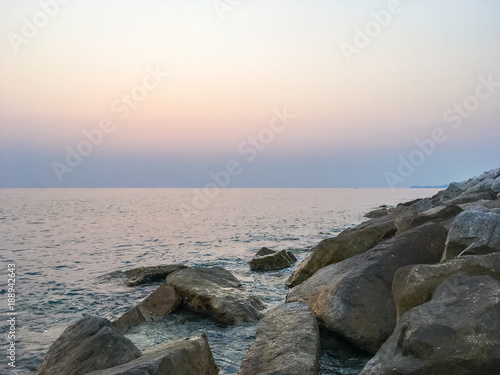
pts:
[287, 343]
[353, 298]
[190, 356]
[456, 333]
[215, 292]
[415, 285]
[159, 304]
[473, 232]
[144, 275]
[273, 262]
[87, 345]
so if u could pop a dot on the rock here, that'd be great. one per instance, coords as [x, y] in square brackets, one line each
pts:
[415, 285]
[215, 292]
[273, 262]
[439, 213]
[473, 232]
[377, 213]
[456, 333]
[347, 244]
[144, 275]
[159, 304]
[265, 251]
[182, 357]
[495, 186]
[87, 345]
[353, 298]
[454, 190]
[287, 343]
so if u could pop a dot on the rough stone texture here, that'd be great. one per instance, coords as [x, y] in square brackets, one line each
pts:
[473, 232]
[145, 275]
[354, 297]
[377, 213]
[287, 343]
[215, 292]
[191, 356]
[439, 213]
[454, 190]
[87, 345]
[456, 333]
[345, 245]
[264, 251]
[495, 186]
[273, 262]
[159, 304]
[415, 285]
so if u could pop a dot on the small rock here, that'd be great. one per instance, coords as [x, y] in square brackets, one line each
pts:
[87, 345]
[191, 356]
[265, 251]
[377, 213]
[273, 262]
[159, 304]
[287, 343]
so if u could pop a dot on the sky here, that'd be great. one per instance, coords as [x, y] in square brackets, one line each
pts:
[282, 93]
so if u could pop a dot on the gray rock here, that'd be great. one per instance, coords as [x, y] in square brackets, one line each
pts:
[264, 251]
[353, 298]
[495, 186]
[473, 232]
[415, 285]
[145, 275]
[191, 356]
[217, 293]
[439, 213]
[87, 345]
[159, 304]
[345, 245]
[454, 190]
[377, 213]
[273, 262]
[456, 333]
[287, 343]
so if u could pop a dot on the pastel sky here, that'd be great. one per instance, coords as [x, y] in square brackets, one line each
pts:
[230, 68]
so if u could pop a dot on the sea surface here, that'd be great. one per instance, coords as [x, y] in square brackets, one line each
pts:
[63, 241]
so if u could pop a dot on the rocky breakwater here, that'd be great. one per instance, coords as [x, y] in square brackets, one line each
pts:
[418, 285]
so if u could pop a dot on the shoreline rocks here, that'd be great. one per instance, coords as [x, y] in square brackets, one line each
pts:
[269, 260]
[353, 298]
[287, 343]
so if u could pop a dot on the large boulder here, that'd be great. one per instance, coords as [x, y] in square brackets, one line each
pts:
[415, 285]
[87, 345]
[191, 356]
[347, 244]
[287, 343]
[379, 212]
[456, 333]
[473, 232]
[214, 291]
[159, 304]
[275, 261]
[438, 213]
[353, 298]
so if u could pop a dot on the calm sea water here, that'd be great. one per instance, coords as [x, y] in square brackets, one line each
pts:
[63, 240]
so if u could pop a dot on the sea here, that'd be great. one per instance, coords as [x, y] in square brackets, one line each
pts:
[64, 242]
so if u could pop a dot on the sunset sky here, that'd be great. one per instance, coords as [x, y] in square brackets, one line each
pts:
[230, 69]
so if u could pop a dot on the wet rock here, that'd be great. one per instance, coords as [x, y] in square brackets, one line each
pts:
[287, 343]
[415, 285]
[144, 275]
[377, 213]
[217, 293]
[345, 245]
[158, 305]
[473, 232]
[273, 262]
[191, 356]
[264, 251]
[456, 333]
[353, 298]
[87, 345]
